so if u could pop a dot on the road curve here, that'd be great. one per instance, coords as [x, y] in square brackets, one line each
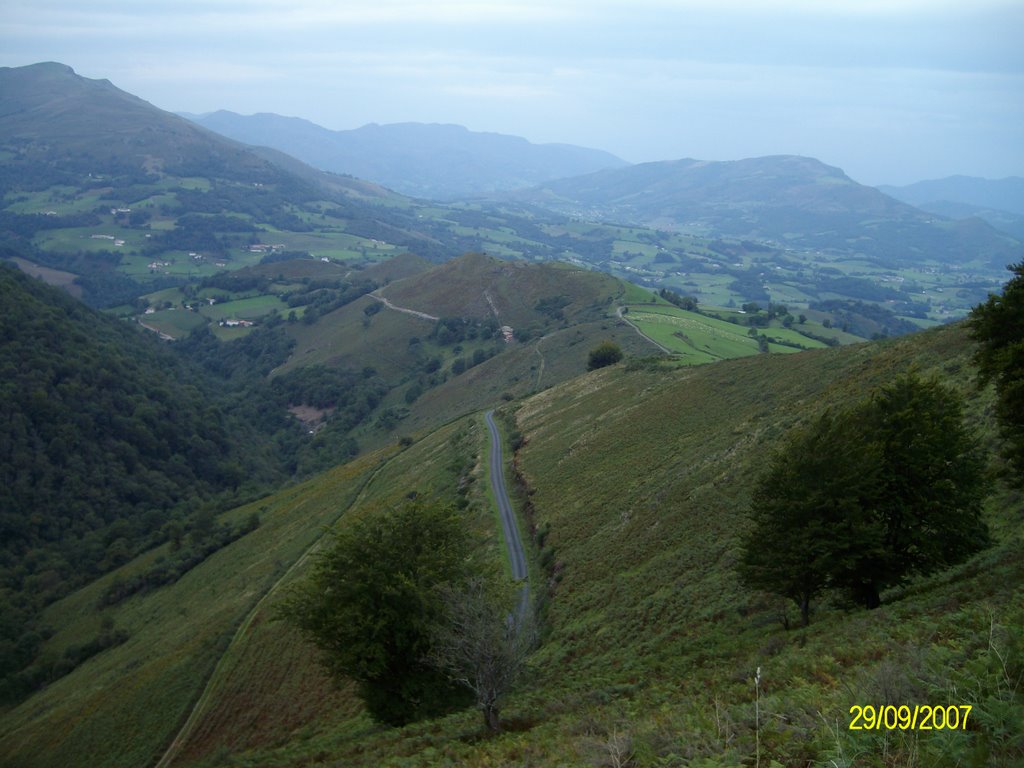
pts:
[621, 315]
[516, 553]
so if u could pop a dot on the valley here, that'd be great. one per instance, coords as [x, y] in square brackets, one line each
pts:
[218, 360]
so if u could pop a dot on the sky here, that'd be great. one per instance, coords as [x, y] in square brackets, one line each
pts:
[891, 91]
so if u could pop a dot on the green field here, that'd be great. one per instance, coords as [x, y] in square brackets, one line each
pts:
[176, 323]
[243, 309]
[698, 339]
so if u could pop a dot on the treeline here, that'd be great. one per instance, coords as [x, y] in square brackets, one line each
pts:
[689, 303]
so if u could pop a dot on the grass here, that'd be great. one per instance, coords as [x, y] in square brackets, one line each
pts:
[176, 323]
[122, 706]
[244, 309]
[640, 477]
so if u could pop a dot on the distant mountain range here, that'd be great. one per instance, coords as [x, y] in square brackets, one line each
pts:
[125, 199]
[421, 160]
[793, 201]
[999, 202]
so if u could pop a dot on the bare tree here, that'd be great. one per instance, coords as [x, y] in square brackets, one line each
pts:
[483, 643]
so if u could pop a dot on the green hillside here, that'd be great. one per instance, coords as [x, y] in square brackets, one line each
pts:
[637, 479]
[108, 437]
[332, 358]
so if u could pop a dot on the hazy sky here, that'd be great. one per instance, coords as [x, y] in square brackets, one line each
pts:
[892, 91]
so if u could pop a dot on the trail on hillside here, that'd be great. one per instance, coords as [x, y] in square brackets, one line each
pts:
[387, 303]
[540, 370]
[183, 735]
[516, 553]
[517, 559]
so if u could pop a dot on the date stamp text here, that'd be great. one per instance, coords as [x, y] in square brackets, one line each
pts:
[920, 717]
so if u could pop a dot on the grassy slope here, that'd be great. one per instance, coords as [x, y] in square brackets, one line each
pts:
[640, 478]
[122, 706]
[345, 338]
[520, 370]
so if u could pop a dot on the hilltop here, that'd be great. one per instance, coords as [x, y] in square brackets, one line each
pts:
[442, 162]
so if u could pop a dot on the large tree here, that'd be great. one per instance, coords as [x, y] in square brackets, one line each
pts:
[923, 513]
[864, 500]
[813, 486]
[998, 327]
[373, 600]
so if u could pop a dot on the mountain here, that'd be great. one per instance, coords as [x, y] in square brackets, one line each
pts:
[59, 125]
[793, 201]
[103, 185]
[421, 160]
[999, 202]
[635, 482]
[116, 199]
[997, 194]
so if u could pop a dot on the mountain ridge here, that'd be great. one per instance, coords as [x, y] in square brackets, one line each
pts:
[1006, 194]
[1000, 202]
[440, 160]
[787, 199]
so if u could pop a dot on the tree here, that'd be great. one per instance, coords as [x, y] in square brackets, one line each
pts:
[373, 601]
[862, 501]
[923, 512]
[604, 354]
[483, 643]
[813, 484]
[998, 327]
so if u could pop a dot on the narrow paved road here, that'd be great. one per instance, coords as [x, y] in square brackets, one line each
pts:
[516, 554]
[622, 317]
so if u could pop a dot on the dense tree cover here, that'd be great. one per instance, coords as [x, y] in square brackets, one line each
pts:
[604, 354]
[106, 437]
[552, 306]
[372, 603]
[864, 319]
[240, 372]
[862, 500]
[114, 442]
[455, 330]
[998, 326]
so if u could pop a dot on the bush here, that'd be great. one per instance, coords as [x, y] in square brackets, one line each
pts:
[604, 354]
